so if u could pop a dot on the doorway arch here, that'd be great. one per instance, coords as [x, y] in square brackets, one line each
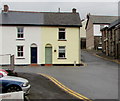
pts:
[48, 54]
[33, 49]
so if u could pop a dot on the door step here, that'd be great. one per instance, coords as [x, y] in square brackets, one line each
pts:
[34, 65]
[48, 65]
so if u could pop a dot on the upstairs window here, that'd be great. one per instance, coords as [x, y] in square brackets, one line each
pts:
[20, 51]
[61, 51]
[20, 32]
[61, 35]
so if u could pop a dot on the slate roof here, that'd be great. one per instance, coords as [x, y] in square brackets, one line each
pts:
[102, 19]
[99, 19]
[117, 22]
[40, 18]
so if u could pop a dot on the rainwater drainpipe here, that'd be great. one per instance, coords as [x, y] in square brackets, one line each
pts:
[74, 63]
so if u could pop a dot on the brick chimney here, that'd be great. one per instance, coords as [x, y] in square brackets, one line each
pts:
[6, 8]
[74, 10]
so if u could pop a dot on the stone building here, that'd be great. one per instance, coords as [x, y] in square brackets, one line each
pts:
[93, 26]
[111, 39]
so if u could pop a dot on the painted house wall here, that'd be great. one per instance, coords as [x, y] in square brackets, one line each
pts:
[41, 36]
[10, 42]
[0, 44]
[72, 43]
[83, 35]
[0, 40]
[96, 29]
[82, 29]
[98, 35]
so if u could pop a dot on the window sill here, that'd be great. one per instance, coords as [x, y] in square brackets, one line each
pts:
[62, 58]
[20, 58]
[62, 40]
[20, 39]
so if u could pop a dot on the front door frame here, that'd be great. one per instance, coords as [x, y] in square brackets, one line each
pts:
[46, 47]
[33, 54]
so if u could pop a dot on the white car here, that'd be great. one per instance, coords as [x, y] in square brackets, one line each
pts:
[13, 84]
[99, 48]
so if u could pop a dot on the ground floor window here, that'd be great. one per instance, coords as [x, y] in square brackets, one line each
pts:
[61, 51]
[20, 51]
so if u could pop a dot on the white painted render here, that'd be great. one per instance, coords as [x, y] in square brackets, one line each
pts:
[0, 40]
[96, 30]
[82, 29]
[0, 44]
[10, 42]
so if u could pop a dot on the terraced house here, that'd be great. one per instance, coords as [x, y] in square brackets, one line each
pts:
[111, 39]
[41, 38]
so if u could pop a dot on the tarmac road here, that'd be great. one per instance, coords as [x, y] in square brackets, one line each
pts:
[97, 80]
[42, 88]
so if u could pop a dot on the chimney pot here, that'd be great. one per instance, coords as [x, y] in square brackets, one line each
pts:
[6, 8]
[74, 10]
[59, 10]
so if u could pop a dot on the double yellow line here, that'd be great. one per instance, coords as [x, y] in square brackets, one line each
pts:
[116, 61]
[77, 95]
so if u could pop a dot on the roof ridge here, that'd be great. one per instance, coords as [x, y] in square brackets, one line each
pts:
[103, 15]
[24, 11]
[42, 12]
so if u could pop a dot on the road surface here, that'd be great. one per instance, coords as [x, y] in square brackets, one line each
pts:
[97, 80]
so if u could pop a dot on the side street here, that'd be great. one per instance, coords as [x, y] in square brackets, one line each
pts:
[100, 54]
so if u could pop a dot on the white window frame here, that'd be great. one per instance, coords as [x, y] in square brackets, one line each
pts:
[61, 31]
[21, 33]
[20, 51]
[61, 50]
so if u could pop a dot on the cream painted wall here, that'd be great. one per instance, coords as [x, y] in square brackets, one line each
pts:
[50, 36]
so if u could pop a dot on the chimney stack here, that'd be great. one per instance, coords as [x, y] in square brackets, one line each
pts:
[74, 10]
[6, 8]
[88, 15]
[59, 10]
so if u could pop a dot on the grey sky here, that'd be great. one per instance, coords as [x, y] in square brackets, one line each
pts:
[96, 8]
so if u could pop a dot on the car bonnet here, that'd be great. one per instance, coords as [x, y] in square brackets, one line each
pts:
[12, 78]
